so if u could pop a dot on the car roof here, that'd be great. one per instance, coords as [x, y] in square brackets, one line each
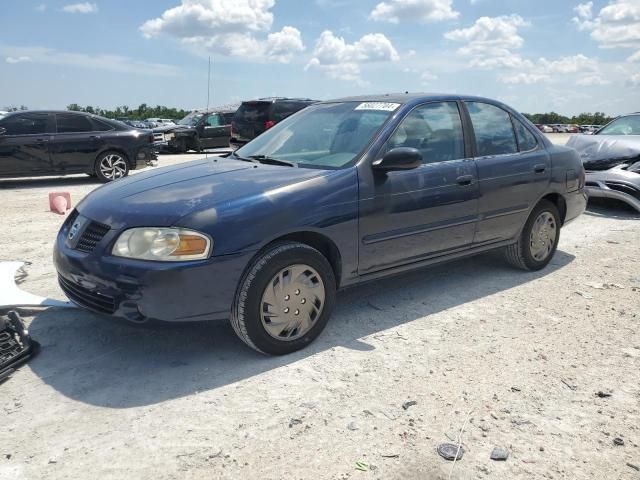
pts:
[406, 97]
[280, 99]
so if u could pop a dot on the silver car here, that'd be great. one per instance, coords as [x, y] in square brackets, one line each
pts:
[611, 158]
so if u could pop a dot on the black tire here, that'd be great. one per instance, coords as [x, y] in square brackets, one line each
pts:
[520, 253]
[245, 312]
[117, 158]
[181, 145]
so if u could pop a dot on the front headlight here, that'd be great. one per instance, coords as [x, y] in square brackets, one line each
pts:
[162, 244]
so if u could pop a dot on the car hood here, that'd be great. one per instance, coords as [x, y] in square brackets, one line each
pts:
[162, 196]
[599, 152]
[171, 128]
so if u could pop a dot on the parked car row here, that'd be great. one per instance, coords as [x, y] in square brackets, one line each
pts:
[224, 127]
[561, 128]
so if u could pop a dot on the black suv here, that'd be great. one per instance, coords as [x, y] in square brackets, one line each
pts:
[61, 143]
[256, 116]
[198, 130]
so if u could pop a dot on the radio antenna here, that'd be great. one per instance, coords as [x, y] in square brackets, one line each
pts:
[206, 153]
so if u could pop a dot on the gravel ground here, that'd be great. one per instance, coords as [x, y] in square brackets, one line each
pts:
[511, 359]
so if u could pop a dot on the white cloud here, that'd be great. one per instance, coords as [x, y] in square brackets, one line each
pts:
[114, 63]
[490, 41]
[427, 77]
[635, 57]
[229, 27]
[564, 65]
[634, 80]
[41, 8]
[20, 59]
[592, 80]
[617, 25]
[342, 60]
[84, 7]
[524, 78]
[395, 11]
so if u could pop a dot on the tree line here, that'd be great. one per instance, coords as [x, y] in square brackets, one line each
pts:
[137, 113]
[597, 118]
[159, 111]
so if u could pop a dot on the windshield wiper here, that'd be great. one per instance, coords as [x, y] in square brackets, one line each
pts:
[238, 157]
[272, 161]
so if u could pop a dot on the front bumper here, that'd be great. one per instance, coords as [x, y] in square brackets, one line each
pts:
[600, 189]
[138, 290]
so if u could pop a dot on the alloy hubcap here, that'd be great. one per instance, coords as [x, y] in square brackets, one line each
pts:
[113, 166]
[292, 302]
[543, 236]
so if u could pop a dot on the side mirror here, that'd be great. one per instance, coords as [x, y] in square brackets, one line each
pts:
[401, 158]
[3, 130]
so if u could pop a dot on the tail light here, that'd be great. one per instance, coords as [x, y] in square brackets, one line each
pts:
[582, 180]
[268, 124]
[233, 128]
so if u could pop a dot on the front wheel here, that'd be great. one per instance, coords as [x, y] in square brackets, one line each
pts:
[538, 241]
[285, 299]
[111, 166]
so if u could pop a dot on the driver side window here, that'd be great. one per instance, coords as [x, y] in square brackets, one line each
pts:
[435, 129]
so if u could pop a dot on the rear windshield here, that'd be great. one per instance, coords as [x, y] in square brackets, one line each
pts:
[251, 112]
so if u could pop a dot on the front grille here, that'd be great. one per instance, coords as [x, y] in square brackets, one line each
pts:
[10, 348]
[621, 187]
[93, 233]
[87, 298]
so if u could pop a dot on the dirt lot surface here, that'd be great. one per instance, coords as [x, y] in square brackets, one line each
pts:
[509, 359]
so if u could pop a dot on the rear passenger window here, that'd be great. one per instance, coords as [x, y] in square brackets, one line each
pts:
[493, 129]
[435, 129]
[282, 110]
[100, 126]
[526, 140]
[69, 123]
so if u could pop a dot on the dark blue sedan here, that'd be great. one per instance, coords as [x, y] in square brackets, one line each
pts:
[342, 192]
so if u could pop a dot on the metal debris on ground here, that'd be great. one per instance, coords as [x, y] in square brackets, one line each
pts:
[12, 296]
[603, 394]
[16, 345]
[410, 403]
[635, 467]
[450, 452]
[499, 454]
[618, 442]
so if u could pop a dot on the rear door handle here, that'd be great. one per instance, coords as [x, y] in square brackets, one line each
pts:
[465, 180]
[539, 168]
[94, 137]
[42, 140]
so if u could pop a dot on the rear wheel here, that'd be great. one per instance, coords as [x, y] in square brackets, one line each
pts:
[538, 241]
[111, 166]
[284, 299]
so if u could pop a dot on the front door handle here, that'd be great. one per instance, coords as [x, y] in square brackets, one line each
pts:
[465, 180]
[94, 137]
[539, 168]
[42, 140]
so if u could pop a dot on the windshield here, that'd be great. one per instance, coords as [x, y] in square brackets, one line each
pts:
[322, 136]
[191, 119]
[623, 126]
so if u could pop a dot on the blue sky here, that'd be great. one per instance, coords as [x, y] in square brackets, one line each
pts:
[568, 56]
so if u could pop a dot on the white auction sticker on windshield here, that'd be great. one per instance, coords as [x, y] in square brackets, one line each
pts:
[384, 106]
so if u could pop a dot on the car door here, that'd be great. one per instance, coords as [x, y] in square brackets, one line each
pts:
[513, 168]
[411, 215]
[24, 146]
[213, 132]
[76, 144]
